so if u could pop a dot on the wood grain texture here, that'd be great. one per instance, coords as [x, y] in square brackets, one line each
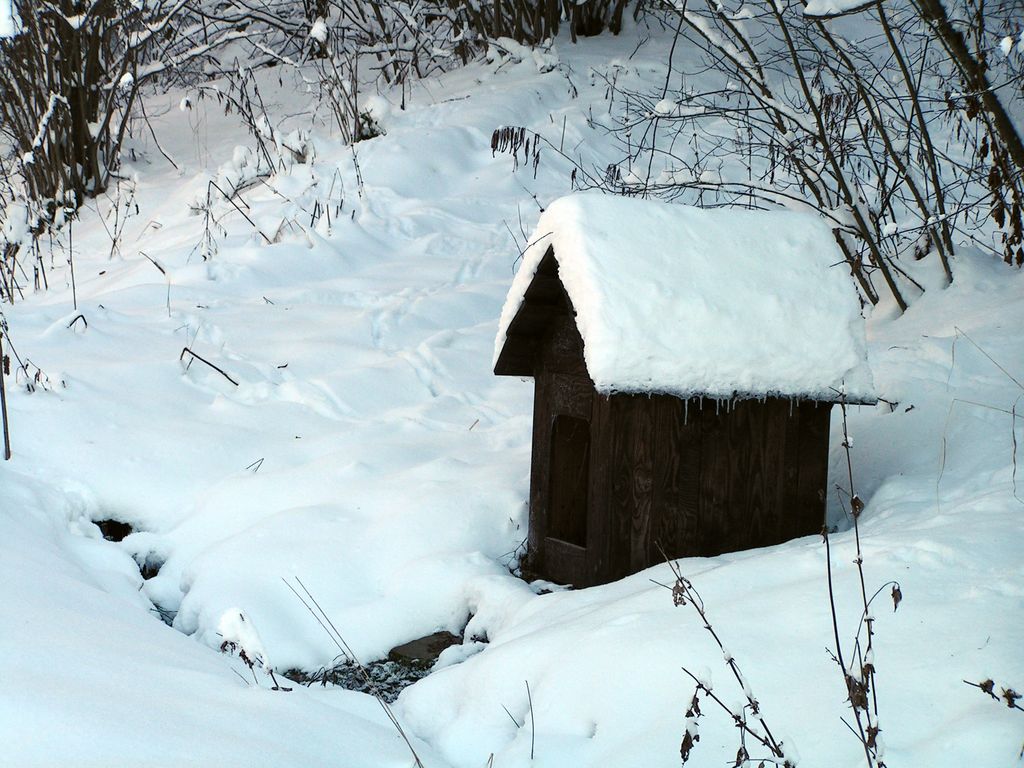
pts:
[565, 563]
[789, 515]
[773, 470]
[640, 443]
[675, 510]
[813, 477]
[599, 528]
[621, 490]
[570, 395]
[533, 320]
[539, 469]
[562, 351]
[736, 531]
[714, 481]
[569, 479]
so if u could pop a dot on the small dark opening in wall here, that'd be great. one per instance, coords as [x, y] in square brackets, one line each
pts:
[113, 530]
[150, 567]
[570, 465]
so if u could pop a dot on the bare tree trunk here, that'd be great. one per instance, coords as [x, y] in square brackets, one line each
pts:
[972, 70]
[849, 195]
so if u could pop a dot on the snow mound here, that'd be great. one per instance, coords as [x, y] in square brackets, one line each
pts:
[239, 634]
[694, 302]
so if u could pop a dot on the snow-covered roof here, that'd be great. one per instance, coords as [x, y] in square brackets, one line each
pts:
[710, 302]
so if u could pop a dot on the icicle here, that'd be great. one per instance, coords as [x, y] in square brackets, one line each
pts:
[686, 411]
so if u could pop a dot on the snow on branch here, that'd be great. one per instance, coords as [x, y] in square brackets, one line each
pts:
[44, 124]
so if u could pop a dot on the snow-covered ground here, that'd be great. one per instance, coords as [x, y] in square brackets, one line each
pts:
[367, 450]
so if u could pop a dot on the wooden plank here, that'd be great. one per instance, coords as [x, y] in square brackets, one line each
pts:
[545, 290]
[539, 471]
[813, 478]
[563, 348]
[753, 445]
[740, 516]
[676, 481]
[518, 357]
[570, 395]
[766, 496]
[714, 481]
[688, 535]
[789, 522]
[621, 487]
[599, 517]
[565, 562]
[641, 442]
[534, 320]
[666, 411]
[569, 478]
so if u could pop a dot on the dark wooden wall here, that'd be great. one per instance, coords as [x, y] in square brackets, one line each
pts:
[700, 481]
[562, 388]
[692, 478]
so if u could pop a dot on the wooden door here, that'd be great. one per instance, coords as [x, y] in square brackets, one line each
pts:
[568, 478]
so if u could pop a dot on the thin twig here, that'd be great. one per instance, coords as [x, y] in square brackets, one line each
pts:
[533, 729]
[862, 684]
[683, 592]
[3, 401]
[244, 214]
[167, 277]
[219, 370]
[991, 359]
[336, 637]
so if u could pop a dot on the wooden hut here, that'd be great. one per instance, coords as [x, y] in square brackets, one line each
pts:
[685, 364]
